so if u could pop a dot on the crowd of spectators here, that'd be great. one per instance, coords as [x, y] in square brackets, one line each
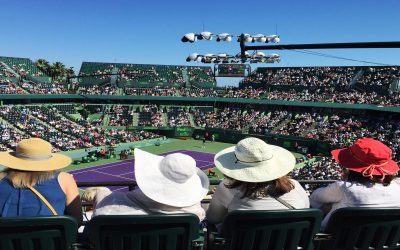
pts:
[151, 116]
[8, 87]
[178, 117]
[378, 75]
[4, 72]
[64, 134]
[156, 91]
[304, 76]
[40, 88]
[98, 90]
[120, 115]
[137, 73]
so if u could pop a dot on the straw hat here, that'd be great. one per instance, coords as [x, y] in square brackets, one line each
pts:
[253, 160]
[367, 156]
[173, 180]
[34, 154]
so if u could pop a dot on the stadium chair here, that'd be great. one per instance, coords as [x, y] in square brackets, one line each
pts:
[31, 233]
[267, 229]
[169, 232]
[361, 228]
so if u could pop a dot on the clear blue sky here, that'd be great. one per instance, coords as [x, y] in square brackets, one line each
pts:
[149, 32]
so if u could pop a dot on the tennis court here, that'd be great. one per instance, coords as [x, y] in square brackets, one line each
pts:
[124, 170]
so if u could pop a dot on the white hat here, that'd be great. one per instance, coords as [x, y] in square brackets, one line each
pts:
[253, 160]
[173, 180]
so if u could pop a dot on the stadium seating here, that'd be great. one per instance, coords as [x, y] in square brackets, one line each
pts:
[146, 75]
[33, 233]
[169, 232]
[274, 229]
[362, 229]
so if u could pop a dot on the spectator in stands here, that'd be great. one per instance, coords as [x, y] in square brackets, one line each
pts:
[255, 180]
[170, 184]
[31, 174]
[369, 179]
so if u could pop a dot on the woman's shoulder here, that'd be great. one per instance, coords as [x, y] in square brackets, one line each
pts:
[65, 177]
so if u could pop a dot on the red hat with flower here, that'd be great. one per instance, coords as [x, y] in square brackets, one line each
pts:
[367, 156]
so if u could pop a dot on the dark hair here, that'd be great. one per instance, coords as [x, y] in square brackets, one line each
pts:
[255, 190]
[354, 176]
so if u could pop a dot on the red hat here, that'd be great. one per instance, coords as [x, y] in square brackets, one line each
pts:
[367, 156]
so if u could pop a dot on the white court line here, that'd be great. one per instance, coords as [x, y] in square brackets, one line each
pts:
[112, 175]
[97, 168]
[205, 161]
[209, 165]
[128, 173]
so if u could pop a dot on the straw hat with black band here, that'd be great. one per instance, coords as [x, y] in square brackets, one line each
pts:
[253, 160]
[34, 154]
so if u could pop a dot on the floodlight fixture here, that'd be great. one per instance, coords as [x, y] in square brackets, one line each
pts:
[206, 35]
[189, 37]
[225, 37]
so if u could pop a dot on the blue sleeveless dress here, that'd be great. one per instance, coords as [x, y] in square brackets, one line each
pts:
[23, 202]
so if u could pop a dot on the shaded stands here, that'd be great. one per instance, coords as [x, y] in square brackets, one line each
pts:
[201, 77]
[197, 92]
[93, 68]
[146, 75]
[65, 108]
[371, 78]
[145, 119]
[178, 117]
[301, 76]
[120, 116]
[26, 69]
[377, 79]
[156, 91]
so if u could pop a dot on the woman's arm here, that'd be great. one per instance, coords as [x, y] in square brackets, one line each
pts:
[218, 208]
[326, 195]
[72, 199]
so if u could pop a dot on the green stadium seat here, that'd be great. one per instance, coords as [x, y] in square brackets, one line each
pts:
[267, 229]
[117, 232]
[32, 233]
[361, 228]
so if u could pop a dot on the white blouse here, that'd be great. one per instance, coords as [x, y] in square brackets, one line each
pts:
[226, 200]
[350, 194]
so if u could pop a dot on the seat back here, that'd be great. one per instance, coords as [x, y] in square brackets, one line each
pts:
[117, 232]
[271, 229]
[32, 233]
[363, 228]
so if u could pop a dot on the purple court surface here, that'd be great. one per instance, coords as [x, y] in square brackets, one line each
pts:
[124, 170]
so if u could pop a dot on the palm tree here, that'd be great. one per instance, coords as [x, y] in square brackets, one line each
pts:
[43, 65]
[57, 70]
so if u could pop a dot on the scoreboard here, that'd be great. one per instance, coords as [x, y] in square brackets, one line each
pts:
[232, 70]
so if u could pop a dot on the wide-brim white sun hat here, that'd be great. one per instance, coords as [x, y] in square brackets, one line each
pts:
[173, 180]
[34, 154]
[253, 160]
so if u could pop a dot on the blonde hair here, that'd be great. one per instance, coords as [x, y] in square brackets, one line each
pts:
[25, 179]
